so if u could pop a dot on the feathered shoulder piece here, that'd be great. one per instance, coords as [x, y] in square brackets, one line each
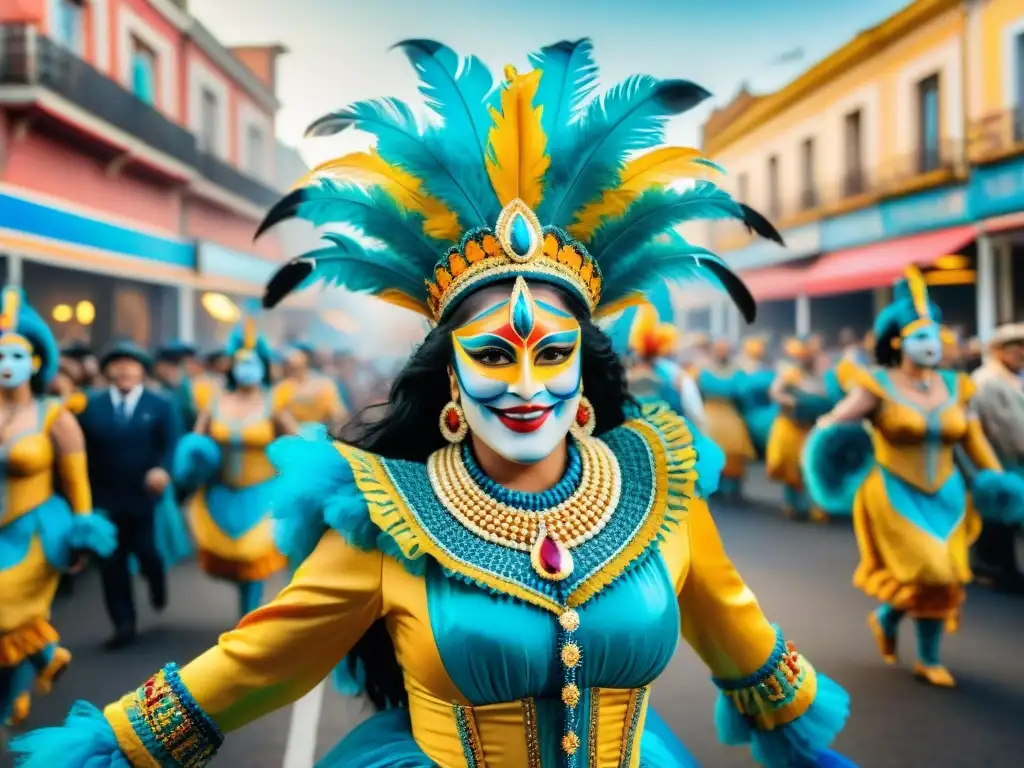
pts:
[530, 177]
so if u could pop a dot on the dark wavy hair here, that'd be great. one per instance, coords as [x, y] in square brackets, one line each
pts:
[406, 427]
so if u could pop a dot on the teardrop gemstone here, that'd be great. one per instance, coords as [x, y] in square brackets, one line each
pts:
[550, 555]
[520, 236]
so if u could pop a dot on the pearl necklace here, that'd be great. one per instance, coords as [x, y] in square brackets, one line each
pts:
[575, 520]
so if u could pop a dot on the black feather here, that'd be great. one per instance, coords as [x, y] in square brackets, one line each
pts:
[331, 124]
[760, 226]
[736, 288]
[287, 279]
[283, 209]
[679, 96]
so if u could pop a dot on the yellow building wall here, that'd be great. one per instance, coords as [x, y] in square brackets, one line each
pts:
[880, 82]
[993, 27]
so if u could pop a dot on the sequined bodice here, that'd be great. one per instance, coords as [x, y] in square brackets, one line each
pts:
[243, 444]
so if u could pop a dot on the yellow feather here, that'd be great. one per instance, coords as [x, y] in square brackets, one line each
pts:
[517, 156]
[370, 168]
[643, 325]
[653, 169]
[398, 299]
[918, 291]
[632, 300]
[249, 335]
[11, 309]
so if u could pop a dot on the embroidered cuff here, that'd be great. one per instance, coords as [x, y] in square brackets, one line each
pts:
[170, 724]
[777, 693]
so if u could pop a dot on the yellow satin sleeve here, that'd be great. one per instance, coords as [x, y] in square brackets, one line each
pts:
[333, 406]
[281, 396]
[74, 477]
[976, 444]
[275, 655]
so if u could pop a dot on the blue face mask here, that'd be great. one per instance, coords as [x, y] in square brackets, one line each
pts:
[248, 371]
[16, 366]
[924, 346]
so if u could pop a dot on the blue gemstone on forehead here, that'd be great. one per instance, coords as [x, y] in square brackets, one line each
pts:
[522, 319]
[520, 236]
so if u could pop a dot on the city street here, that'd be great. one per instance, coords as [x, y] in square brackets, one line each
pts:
[801, 573]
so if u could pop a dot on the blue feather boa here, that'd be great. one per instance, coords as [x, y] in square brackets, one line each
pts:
[196, 460]
[86, 740]
[998, 496]
[836, 460]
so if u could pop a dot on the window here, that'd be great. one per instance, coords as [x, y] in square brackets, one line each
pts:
[743, 188]
[255, 151]
[66, 23]
[774, 204]
[929, 150]
[853, 180]
[143, 72]
[809, 191]
[209, 121]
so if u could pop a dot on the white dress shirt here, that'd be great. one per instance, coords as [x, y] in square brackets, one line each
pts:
[130, 399]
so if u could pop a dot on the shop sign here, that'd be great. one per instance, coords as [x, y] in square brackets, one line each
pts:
[933, 209]
[218, 261]
[801, 242]
[32, 217]
[997, 189]
[852, 229]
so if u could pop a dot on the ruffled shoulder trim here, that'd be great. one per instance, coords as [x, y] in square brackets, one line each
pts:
[852, 374]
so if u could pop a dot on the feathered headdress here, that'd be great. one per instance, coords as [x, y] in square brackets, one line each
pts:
[910, 308]
[245, 338]
[531, 179]
[20, 324]
[649, 337]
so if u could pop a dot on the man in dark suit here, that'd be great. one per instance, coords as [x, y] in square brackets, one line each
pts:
[130, 434]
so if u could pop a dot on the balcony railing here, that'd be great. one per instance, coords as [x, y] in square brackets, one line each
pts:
[998, 134]
[224, 175]
[944, 158]
[30, 59]
[855, 183]
[809, 199]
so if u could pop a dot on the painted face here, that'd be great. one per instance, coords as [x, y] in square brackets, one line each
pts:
[248, 369]
[924, 346]
[16, 364]
[519, 374]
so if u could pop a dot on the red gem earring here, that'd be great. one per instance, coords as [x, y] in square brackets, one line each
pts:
[586, 419]
[454, 427]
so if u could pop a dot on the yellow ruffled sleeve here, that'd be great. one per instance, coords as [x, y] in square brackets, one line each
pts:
[976, 443]
[275, 655]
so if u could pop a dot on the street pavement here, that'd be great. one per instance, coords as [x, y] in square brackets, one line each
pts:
[800, 571]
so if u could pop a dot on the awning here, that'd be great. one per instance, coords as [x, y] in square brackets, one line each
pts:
[1004, 223]
[877, 265]
[775, 283]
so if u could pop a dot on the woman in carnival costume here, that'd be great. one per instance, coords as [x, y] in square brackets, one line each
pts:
[41, 533]
[918, 493]
[654, 375]
[721, 384]
[759, 410]
[308, 395]
[800, 393]
[459, 563]
[225, 465]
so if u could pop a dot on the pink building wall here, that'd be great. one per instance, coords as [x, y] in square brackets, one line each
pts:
[205, 221]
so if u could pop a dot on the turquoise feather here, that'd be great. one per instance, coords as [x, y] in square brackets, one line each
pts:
[629, 117]
[658, 211]
[360, 269]
[377, 215]
[570, 77]
[679, 262]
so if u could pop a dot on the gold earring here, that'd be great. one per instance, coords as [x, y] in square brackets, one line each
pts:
[454, 427]
[586, 419]
[37, 363]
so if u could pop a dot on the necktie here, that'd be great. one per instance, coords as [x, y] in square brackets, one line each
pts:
[121, 411]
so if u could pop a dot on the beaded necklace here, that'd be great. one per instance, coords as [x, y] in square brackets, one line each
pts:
[548, 524]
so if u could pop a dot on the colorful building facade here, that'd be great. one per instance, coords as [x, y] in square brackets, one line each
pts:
[905, 146]
[137, 155]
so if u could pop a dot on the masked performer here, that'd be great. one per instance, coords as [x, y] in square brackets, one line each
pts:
[654, 375]
[461, 563]
[225, 462]
[913, 514]
[41, 533]
[759, 410]
[721, 385]
[801, 394]
[309, 396]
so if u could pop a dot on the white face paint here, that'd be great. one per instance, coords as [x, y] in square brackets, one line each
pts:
[923, 347]
[248, 369]
[519, 370]
[16, 364]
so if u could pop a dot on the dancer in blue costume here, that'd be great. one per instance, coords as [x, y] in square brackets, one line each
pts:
[456, 542]
[224, 465]
[759, 411]
[42, 534]
[920, 494]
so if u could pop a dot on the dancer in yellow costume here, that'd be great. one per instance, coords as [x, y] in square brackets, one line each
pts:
[308, 396]
[225, 462]
[917, 499]
[759, 410]
[41, 534]
[800, 392]
[457, 541]
[721, 384]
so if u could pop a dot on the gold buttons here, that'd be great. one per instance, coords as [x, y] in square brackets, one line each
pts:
[570, 743]
[569, 620]
[571, 695]
[570, 655]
